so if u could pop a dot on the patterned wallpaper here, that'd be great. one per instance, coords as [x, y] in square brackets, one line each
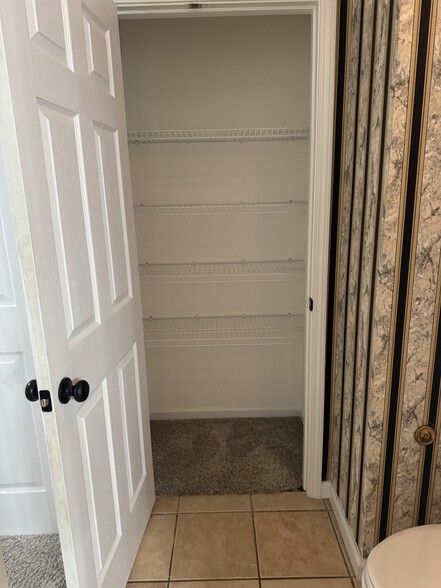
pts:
[384, 361]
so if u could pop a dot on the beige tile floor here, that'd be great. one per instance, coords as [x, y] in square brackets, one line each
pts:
[259, 541]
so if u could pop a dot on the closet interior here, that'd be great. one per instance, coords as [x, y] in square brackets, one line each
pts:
[218, 114]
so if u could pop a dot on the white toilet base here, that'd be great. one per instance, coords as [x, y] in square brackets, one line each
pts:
[408, 559]
[365, 580]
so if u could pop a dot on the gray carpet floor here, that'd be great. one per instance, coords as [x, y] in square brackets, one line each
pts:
[33, 561]
[227, 456]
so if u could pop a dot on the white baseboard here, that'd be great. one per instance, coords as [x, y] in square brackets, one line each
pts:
[358, 563]
[222, 413]
[326, 489]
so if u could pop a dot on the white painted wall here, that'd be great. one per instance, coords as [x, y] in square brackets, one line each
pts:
[220, 73]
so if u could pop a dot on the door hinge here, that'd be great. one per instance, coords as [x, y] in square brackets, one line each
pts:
[32, 393]
[311, 304]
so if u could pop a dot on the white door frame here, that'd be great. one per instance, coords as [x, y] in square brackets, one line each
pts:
[324, 25]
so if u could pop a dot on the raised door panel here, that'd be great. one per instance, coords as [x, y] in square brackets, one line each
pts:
[49, 28]
[99, 57]
[70, 220]
[97, 452]
[112, 198]
[133, 435]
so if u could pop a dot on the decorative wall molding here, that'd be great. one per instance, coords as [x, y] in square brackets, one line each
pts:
[321, 129]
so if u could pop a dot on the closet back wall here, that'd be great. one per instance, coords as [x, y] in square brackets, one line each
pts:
[221, 73]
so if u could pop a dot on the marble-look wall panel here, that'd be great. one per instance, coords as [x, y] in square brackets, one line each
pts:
[432, 194]
[349, 118]
[397, 115]
[369, 236]
[369, 296]
[422, 330]
[358, 198]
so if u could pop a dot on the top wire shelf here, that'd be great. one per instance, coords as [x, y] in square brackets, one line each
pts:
[219, 135]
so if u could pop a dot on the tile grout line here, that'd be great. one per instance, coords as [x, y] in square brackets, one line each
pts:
[342, 546]
[307, 578]
[174, 541]
[239, 579]
[203, 512]
[292, 510]
[255, 541]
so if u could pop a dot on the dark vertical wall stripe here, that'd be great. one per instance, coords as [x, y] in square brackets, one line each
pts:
[402, 298]
[340, 86]
[377, 225]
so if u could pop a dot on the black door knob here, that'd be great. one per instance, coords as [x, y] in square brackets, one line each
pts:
[68, 390]
[31, 391]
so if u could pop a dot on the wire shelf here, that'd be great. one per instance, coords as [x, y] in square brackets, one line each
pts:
[223, 271]
[224, 330]
[219, 209]
[218, 135]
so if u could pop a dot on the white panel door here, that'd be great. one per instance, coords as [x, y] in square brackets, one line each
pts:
[26, 500]
[72, 203]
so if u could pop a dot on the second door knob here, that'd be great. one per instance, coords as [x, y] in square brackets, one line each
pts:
[68, 390]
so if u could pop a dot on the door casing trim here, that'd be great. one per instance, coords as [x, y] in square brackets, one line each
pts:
[324, 28]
